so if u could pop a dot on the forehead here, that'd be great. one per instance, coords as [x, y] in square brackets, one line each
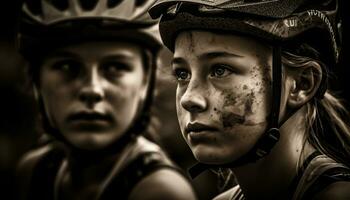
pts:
[199, 42]
[96, 49]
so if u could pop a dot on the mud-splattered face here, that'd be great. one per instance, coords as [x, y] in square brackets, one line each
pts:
[223, 94]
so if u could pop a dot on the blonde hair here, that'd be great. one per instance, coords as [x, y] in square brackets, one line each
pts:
[327, 121]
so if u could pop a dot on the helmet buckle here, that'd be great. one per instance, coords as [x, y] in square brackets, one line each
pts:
[267, 142]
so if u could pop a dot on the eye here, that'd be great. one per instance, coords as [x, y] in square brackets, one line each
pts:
[220, 71]
[113, 68]
[68, 67]
[182, 74]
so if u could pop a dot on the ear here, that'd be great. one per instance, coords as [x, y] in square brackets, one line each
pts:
[304, 84]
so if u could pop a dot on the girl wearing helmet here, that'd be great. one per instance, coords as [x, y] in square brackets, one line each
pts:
[252, 94]
[93, 69]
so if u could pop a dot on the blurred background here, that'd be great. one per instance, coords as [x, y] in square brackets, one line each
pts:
[18, 110]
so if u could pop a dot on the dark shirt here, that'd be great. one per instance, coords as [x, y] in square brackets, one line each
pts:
[38, 175]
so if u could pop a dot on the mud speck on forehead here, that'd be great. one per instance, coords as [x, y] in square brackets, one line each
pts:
[192, 42]
[231, 119]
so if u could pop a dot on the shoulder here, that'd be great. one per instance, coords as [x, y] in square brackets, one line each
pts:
[32, 163]
[30, 159]
[229, 194]
[163, 184]
[33, 157]
[324, 178]
[337, 190]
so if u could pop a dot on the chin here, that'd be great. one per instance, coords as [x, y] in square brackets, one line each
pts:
[91, 141]
[213, 156]
[89, 145]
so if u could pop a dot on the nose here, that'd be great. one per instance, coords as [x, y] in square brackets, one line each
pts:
[92, 90]
[194, 99]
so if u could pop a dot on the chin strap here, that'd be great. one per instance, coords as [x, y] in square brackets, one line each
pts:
[268, 140]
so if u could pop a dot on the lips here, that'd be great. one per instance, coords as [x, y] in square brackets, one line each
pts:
[198, 127]
[90, 116]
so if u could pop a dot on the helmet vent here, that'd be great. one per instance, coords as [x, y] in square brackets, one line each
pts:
[61, 5]
[88, 4]
[35, 7]
[113, 3]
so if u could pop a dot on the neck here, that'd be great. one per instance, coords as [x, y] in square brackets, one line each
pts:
[87, 178]
[271, 176]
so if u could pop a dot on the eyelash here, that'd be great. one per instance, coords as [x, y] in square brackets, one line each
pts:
[70, 67]
[227, 69]
[118, 66]
[176, 74]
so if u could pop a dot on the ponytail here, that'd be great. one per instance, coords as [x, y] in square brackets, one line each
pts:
[329, 128]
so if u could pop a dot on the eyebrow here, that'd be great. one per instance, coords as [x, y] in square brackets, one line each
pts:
[212, 55]
[117, 57]
[61, 53]
[207, 56]
[178, 60]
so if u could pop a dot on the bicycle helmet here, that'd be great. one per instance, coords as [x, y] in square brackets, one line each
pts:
[280, 22]
[45, 23]
[49, 24]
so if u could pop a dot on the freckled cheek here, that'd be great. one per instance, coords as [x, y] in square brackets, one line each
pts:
[216, 109]
[260, 107]
[262, 102]
[257, 101]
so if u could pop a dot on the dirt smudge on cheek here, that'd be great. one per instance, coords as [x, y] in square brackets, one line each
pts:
[266, 75]
[243, 101]
[218, 112]
[249, 103]
[261, 73]
[231, 98]
[231, 119]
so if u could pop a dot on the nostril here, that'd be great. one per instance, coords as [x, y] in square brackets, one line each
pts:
[90, 96]
[195, 108]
